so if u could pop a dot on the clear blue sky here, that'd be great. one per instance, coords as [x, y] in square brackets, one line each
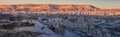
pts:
[97, 3]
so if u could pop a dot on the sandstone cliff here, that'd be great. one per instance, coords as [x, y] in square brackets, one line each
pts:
[31, 8]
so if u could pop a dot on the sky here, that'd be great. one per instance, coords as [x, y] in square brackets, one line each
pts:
[105, 4]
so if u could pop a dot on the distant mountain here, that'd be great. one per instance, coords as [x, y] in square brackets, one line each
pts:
[24, 8]
[47, 7]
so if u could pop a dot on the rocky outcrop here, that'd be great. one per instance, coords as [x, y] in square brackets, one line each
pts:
[56, 8]
[45, 7]
[62, 26]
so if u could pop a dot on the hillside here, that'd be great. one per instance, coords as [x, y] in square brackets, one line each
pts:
[59, 8]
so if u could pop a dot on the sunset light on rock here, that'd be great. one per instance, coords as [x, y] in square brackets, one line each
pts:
[59, 18]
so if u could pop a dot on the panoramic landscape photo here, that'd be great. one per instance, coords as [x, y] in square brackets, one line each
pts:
[59, 18]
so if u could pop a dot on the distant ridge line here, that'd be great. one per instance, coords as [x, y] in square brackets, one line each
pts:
[48, 8]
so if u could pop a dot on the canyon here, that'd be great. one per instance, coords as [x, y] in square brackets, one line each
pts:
[58, 20]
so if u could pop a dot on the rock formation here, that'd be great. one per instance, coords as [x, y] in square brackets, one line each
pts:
[56, 8]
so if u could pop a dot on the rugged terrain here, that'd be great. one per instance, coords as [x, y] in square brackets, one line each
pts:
[59, 25]
[57, 8]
